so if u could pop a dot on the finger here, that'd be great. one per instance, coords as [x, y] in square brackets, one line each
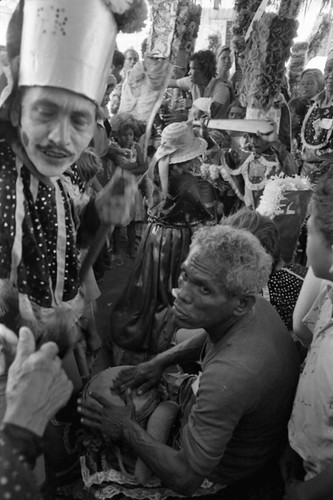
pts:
[126, 372]
[128, 398]
[144, 388]
[49, 349]
[26, 344]
[8, 336]
[93, 416]
[90, 404]
[100, 399]
[91, 423]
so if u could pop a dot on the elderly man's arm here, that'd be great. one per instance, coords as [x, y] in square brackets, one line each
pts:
[170, 465]
[118, 423]
[146, 375]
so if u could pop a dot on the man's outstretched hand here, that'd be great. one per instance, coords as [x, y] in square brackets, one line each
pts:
[98, 413]
[142, 377]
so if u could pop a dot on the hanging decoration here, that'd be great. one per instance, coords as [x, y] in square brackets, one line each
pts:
[318, 35]
[130, 15]
[266, 54]
[245, 11]
[290, 9]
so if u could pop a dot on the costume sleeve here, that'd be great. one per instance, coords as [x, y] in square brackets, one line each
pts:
[184, 83]
[18, 451]
[223, 398]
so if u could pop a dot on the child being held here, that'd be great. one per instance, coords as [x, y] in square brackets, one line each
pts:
[127, 154]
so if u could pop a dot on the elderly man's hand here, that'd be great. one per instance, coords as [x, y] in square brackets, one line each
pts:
[143, 376]
[37, 386]
[114, 202]
[8, 343]
[98, 413]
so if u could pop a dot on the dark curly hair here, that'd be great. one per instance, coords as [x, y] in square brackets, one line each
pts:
[206, 61]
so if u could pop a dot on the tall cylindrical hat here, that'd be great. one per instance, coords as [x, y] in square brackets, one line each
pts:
[67, 44]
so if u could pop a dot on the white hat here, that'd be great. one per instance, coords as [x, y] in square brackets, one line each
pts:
[203, 104]
[179, 142]
[67, 44]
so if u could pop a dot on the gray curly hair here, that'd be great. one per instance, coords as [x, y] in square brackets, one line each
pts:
[241, 264]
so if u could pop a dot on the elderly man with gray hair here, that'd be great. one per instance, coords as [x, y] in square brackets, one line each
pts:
[242, 401]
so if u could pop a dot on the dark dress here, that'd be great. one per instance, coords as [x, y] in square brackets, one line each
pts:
[142, 319]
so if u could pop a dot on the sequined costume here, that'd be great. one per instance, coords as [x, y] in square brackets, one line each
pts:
[255, 169]
[141, 321]
[317, 139]
[39, 259]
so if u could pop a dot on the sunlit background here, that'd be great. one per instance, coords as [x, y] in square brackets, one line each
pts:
[210, 24]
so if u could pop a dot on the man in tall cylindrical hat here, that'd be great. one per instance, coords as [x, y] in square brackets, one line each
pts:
[60, 54]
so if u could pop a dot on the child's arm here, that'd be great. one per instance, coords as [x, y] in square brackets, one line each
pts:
[308, 294]
[142, 164]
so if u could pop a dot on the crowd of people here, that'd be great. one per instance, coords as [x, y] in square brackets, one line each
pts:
[221, 346]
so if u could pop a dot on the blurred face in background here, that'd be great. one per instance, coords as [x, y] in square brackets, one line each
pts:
[236, 113]
[328, 75]
[131, 58]
[224, 62]
[114, 103]
[309, 86]
[126, 138]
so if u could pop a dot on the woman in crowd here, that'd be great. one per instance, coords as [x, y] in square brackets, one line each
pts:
[202, 82]
[312, 82]
[223, 63]
[285, 281]
[141, 321]
[316, 134]
[310, 426]
[127, 154]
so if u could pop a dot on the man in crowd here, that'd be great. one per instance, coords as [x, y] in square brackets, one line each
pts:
[51, 118]
[236, 420]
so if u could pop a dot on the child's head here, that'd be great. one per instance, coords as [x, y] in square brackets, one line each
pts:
[114, 102]
[320, 229]
[124, 129]
[236, 110]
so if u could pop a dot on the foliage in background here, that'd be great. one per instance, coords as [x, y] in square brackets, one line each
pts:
[296, 66]
[318, 35]
[214, 41]
[267, 52]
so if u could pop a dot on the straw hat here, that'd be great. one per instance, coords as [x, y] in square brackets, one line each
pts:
[180, 144]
